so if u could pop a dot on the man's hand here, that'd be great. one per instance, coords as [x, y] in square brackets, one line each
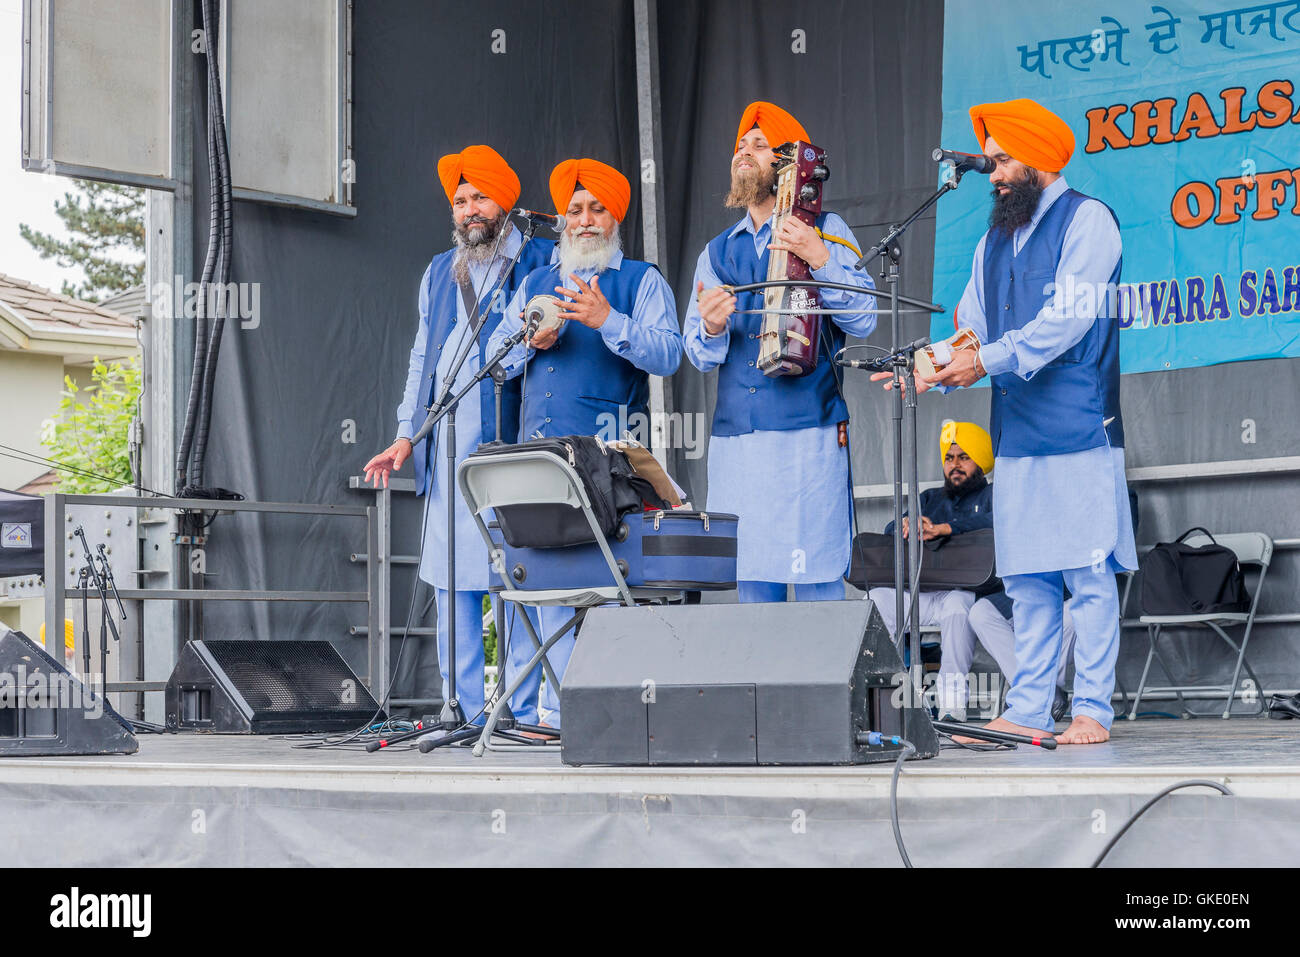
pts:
[922, 384]
[589, 305]
[798, 237]
[929, 530]
[963, 370]
[716, 307]
[389, 460]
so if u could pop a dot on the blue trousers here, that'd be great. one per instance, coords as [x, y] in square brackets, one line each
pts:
[776, 591]
[1037, 603]
[552, 618]
[469, 655]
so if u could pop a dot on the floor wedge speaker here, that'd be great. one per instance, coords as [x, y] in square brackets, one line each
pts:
[47, 710]
[737, 684]
[265, 687]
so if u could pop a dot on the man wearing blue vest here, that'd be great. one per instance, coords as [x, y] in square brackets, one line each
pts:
[620, 328]
[456, 289]
[778, 457]
[1041, 299]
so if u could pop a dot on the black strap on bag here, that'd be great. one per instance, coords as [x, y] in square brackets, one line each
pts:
[613, 487]
[1182, 579]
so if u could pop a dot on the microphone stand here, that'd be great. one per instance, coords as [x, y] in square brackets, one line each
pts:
[452, 716]
[890, 251]
[103, 581]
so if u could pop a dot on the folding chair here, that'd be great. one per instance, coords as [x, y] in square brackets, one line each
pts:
[536, 477]
[1251, 548]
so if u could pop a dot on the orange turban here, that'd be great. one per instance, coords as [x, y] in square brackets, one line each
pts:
[777, 125]
[483, 168]
[1028, 131]
[604, 182]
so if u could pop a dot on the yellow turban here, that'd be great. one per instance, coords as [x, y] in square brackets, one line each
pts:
[600, 179]
[483, 168]
[971, 439]
[776, 124]
[1028, 131]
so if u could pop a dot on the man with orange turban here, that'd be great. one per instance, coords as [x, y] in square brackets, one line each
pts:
[455, 296]
[591, 376]
[775, 456]
[1041, 298]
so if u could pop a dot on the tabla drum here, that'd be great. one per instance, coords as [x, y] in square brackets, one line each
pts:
[934, 357]
[546, 311]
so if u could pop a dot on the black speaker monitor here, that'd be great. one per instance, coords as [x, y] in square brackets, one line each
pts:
[265, 687]
[46, 710]
[779, 683]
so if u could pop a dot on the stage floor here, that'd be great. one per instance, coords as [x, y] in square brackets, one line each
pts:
[227, 800]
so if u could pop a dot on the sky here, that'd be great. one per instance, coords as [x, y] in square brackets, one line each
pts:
[24, 197]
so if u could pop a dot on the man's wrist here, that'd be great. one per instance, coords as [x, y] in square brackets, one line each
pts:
[979, 364]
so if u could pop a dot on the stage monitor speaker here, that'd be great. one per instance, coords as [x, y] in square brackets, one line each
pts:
[265, 687]
[47, 710]
[742, 684]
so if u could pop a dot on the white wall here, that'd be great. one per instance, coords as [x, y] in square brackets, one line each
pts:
[29, 393]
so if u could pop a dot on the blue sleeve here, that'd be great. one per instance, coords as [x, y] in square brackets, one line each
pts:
[649, 338]
[1088, 257]
[517, 357]
[705, 352]
[407, 411]
[840, 268]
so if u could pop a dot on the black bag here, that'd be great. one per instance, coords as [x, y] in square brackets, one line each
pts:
[613, 488]
[1180, 579]
[965, 561]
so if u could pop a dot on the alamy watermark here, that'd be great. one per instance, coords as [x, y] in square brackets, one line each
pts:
[190, 300]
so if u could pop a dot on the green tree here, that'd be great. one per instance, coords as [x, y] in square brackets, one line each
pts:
[93, 436]
[104, 221]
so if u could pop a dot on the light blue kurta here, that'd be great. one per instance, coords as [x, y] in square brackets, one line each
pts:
[790, 488]
[1053, 512]
[472, 572]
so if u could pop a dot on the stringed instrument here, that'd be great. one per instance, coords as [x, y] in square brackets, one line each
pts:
[789, 343]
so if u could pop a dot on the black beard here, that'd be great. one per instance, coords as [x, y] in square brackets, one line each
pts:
[750, 187]
[950, 486]
[476, 236]
[1015, 208]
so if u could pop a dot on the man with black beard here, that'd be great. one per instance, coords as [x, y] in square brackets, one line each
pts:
[778, 453]
[963, 504]
[454, 293]
[1041, 298]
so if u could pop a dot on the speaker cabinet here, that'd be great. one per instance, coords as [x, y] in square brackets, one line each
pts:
[780, 683]
[265, 687]
[47, 710]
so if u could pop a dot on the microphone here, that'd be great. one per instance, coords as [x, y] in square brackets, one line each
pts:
[557, 223]
[881, 361]
[965, 162]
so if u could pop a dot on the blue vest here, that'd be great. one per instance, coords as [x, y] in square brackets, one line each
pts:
[443, 294]
[1062, 408]
[572, 384]
[748, 400]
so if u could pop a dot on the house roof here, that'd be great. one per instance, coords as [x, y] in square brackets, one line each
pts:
[45, 482]
[35, 319]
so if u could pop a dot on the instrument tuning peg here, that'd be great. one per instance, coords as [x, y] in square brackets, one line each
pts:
[808, 192]
[821, 172]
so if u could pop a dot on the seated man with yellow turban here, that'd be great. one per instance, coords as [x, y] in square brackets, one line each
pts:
[620, 328]
[775, 454]
[1041, 298]
[455, 289]
[963, 504]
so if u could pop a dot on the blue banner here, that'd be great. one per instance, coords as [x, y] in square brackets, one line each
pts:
[1186, 121]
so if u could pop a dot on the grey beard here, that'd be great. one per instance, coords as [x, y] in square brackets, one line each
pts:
[477, 250]
[590, 254]
[750, 188]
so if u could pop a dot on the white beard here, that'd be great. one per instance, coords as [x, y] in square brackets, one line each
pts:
[588, 252]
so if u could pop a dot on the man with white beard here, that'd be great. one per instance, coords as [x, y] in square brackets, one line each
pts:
[481, 188]
[620, 328]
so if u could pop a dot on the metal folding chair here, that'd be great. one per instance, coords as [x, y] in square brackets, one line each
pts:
[1251, 548]
[535, 477]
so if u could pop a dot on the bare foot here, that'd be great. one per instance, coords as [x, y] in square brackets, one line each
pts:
[1002, 724]
[1083, 731]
